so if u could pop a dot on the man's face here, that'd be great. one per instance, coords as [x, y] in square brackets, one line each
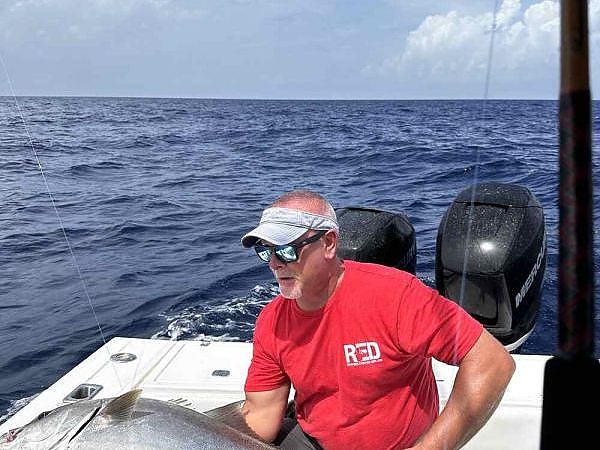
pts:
[302, 277]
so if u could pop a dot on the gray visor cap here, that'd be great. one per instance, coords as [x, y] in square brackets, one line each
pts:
[281, 226]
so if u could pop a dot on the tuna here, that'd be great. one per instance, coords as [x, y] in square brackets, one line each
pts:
[134, 423]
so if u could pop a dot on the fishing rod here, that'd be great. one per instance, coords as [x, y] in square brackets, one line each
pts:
[572, 376]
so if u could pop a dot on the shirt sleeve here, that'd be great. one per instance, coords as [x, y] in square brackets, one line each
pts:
[264, 372]
[434, 326]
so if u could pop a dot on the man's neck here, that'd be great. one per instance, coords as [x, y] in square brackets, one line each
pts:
[319, 299]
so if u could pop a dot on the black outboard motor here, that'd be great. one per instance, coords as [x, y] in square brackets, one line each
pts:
[491, 258]
[377, 236]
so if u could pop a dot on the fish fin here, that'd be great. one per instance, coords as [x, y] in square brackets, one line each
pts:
[223, 412]
[63, 441]
[231, 415]
[121, 408]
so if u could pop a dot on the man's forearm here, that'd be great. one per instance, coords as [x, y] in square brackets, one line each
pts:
[479, 386]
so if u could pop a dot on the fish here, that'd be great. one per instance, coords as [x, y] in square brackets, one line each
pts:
[132, 422]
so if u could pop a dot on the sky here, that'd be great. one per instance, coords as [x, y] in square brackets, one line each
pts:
[286, 49]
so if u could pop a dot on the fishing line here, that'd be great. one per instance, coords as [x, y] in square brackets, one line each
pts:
[463, 284]
[60, 221]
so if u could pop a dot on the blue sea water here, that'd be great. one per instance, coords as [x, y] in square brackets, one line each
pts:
[122, 216]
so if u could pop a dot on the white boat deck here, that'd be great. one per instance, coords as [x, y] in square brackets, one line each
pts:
[203, 375]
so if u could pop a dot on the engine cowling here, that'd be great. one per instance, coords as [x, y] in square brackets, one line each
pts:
[491, 258]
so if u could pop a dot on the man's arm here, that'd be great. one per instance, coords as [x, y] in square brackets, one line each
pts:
[264, 411]
[480, 382]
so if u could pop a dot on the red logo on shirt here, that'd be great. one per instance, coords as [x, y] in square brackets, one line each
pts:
[362, 353]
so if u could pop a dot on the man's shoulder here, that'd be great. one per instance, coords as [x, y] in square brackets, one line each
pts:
[365, 269]
[267, 317]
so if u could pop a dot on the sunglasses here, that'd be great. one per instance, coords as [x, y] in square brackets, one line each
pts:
[286, 253]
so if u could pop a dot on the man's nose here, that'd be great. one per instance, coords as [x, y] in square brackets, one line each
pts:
[274, 262]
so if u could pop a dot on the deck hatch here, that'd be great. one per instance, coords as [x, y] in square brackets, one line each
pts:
[83, 392]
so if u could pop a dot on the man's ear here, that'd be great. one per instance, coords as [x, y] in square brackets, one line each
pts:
[331, 239]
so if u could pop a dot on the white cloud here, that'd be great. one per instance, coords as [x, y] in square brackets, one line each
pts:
[291, 48]
[456, 47]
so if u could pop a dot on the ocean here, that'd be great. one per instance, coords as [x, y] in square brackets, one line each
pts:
[123, 216]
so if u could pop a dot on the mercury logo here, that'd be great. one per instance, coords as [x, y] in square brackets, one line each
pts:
[362, 353]
[529, 281]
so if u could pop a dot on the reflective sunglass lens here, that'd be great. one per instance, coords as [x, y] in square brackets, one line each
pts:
[263, 252]
[286, 253]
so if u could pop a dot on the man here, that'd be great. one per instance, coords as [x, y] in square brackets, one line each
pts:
[355, 340]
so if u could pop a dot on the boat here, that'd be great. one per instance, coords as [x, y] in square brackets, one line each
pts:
[548, 401]
[161, 368]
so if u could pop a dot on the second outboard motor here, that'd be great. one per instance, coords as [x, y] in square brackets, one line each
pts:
[377, 236]
[491, 258]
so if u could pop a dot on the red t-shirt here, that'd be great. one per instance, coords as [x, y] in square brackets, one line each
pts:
[361, 366]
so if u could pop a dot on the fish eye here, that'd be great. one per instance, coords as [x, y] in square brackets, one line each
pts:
[42, 415]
